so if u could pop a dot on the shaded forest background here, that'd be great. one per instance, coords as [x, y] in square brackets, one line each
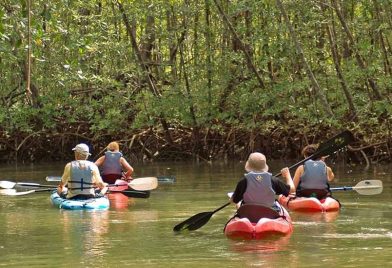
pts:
[202, 80]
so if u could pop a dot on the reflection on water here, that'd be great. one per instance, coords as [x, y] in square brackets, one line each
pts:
[138, 232]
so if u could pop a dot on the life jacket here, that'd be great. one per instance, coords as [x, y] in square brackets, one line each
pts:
[81, 182]
[259, 189]
[112, 165]
[314, 176]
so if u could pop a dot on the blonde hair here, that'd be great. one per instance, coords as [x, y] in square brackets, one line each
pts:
[113, 146]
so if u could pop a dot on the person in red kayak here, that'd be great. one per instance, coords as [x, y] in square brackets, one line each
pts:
[81, 176]
[313, 177]
[259, 186]
[113, 165]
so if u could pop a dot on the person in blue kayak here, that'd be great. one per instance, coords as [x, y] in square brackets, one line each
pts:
[313, 177]
[259, 187]
[113, 165]
[81, 177]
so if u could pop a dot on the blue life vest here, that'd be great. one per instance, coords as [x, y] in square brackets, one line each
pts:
[259, 189]
[112, 165]
[314, 176]
[81, 178]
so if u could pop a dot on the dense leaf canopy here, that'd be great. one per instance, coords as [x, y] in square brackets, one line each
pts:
[194, 79]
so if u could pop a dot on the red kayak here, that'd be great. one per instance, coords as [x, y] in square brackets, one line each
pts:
[258, 222]
[309, 204]
[118, 200]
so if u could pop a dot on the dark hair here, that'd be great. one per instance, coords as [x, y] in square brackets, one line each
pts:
[310, 149]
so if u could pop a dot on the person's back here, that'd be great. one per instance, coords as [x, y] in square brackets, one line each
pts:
[313, 177]
[259, 189]
[81, 183]
[81, 176]
[259, 186]
[113, 164]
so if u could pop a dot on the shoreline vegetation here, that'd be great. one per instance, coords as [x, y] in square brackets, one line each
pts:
[194, 80]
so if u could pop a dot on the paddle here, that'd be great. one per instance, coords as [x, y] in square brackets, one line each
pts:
[10, 184]
[332, 145]
[139, 184]
[133, 193]
[366, 187]
[13, 192]
[128, 193]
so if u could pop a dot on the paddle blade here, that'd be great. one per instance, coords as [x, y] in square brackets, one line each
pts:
[132, 193]
[53, 178]
[369, 187]
[334, 144]
[194, 222]
[166, 179]
[7, 184]
[144, 184]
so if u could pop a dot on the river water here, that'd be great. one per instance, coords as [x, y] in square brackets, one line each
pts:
[139, 233]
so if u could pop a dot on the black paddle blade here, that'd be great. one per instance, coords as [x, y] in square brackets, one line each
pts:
[334, 144]
[194, 222]
[133, 193]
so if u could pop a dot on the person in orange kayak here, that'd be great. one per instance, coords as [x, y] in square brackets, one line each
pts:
[312, 178]
[113, 164]
[259, 186]
[81, 176]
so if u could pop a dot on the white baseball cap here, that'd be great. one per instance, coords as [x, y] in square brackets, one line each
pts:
[82, 149]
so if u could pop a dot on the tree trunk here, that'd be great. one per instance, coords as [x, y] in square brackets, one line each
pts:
[361, 62]
[241, 45]
[335, 57]
[131, 32]
[309, 72]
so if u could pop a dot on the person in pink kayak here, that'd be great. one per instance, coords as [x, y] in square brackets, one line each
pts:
[313, 177]
[259, 186]
[81, 177]
[113, 165]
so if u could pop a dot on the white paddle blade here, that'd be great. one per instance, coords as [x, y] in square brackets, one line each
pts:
[369, 187]
[53, 178]
[144, 184]
[13, 192]
[7, 184]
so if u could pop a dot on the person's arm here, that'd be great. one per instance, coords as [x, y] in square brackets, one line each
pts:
[97, 180]
[287, 176]
[330, 174]
[239, 191]
[297, 176]
[100, 161]
[126, 166]
[65, 178]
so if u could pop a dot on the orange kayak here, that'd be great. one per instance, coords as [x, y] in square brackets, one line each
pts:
[309, 204]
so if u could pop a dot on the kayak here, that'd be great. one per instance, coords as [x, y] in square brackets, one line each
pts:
[258, 222]
[100, 203]
[309, 204]
[117, 199]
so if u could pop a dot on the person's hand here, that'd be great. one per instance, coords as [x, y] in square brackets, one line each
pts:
[285, 172]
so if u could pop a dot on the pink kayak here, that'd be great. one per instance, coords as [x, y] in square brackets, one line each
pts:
[309, 204]
[257, 222]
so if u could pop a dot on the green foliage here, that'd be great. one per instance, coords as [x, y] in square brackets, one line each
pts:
[87, 73]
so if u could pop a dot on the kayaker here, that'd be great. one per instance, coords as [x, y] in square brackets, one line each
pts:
[259, 186]
[312, 178]
[113, 165]
[81, 176]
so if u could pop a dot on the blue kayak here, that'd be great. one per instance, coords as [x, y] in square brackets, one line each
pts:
[99, 203]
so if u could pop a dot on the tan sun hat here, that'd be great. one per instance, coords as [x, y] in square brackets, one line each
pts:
[82, 149]
[256, 162]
